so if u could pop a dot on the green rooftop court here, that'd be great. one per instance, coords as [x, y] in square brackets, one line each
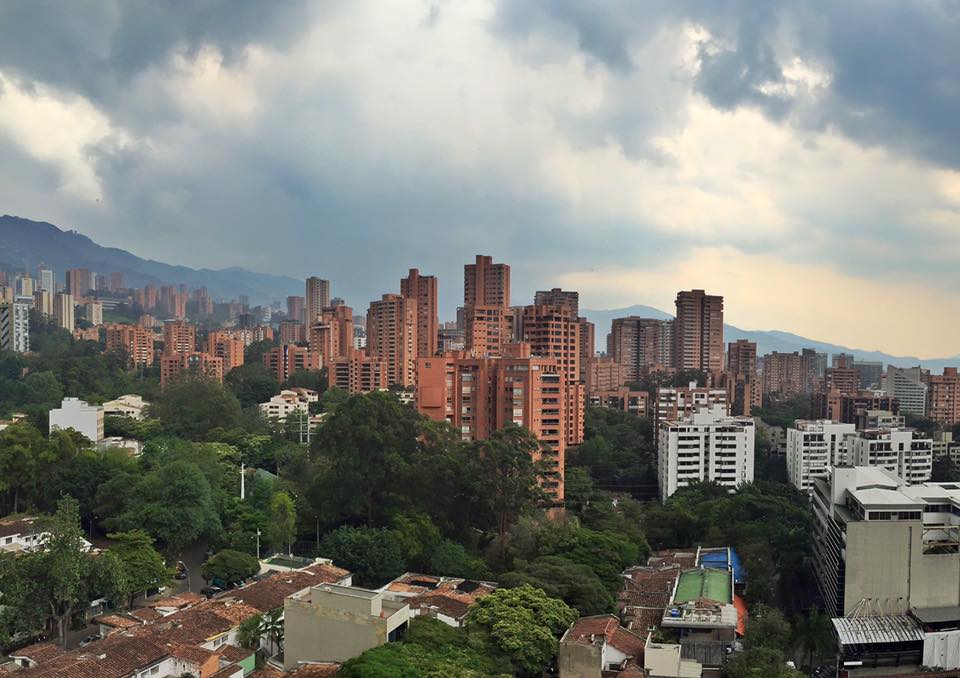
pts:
[704, 583]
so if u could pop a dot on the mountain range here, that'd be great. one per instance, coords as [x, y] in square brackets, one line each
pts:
[25, 244]
[766, 340]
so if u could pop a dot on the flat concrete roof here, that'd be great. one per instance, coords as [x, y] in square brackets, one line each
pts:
[704, 583]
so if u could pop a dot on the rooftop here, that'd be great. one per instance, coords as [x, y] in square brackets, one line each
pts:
[872, 630]
[268, 594]
[604, 628]
[704, 584]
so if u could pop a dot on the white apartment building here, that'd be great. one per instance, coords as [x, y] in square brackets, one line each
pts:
[907, 385]
[903, 451]
[279, 407]
[15, 327]
[813, 447]
[63, 311]
[679, 402]
[81, 417]
[708, 445]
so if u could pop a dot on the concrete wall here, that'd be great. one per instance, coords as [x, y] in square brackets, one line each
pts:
[316, 632]
[576, 660]
[885, 563]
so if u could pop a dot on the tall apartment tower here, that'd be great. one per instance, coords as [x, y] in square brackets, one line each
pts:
[481, 395]
[486, 283]
[392, 335]
[46, 280]
[79, 281]
[909, 386]
[944, 397]
[135, 341]
[558, 297]
[783, 373]
[332, 335]
[423, 290]
[742, 357]
[698, 331]
[317, 298]
[641, 345]
[179, 336]
[554, 332]
[295, 306]
[63, 311]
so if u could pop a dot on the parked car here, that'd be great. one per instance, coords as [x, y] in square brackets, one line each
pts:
[210, 591]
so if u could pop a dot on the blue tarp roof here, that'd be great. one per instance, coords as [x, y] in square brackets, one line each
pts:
[723, 559]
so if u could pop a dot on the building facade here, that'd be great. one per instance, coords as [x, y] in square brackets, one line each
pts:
[908, 385]
[132, 340]
[486, 283]
[707, 445]
[81, 417]
[317, 298]
[641, 345]
[679, 402]
[284, 360]
[14, 327]
[392, 335]
[903, 451]
[423, 290]
[813, 447]
[698, 331]
[943, 404]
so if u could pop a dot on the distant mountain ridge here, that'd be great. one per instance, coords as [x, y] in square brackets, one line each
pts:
[24, 244]
[767, 340]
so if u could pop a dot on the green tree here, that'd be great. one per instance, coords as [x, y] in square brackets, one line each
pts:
[249, 632]
[143, 566]
[173, 503]
[524, 623]
[814, 636]
[367, 443]
[230, 567]
[559, 577]
[192, 408]
[283, 522]
[252, 383]
[332, 398]
[452, 559]
[22, 447]
[505, 474]
[372, 555]
[767, 627]
[945, 470]
[761, 662]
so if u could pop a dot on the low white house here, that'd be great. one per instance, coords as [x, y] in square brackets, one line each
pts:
[130, 405]
[81, 417]
[279, 407]
[22, 534]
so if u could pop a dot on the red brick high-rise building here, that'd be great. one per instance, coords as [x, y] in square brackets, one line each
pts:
[783, 374]
[554, 332]
[423, 290]
[317, 299]
[744, 386]
[295, 308]
[284, 360]
[486, 283]
[486, 330]
[226, 346]
[133, 340]
[943, 397]
[332, 335]
[116, 281]
[291, 332]
[698, 332]
[558, 297]
[641, 345]
[392, 335]
[357, 372]
[176, 366]
[482, 395]
[179, 336]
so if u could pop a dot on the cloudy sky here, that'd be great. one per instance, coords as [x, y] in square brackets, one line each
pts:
[801, 158]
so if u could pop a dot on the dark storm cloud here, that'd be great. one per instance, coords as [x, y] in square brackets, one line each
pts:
[97, 48]
[894, 65]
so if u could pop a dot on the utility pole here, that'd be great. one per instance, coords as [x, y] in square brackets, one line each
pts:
[258, 543]
[243, 486]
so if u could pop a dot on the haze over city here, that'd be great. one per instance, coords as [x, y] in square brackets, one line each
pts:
[799, 158]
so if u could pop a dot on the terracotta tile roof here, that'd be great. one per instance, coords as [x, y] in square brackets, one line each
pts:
[232, 653]
[228, 672]
[673, 557]
[191, 653]
[179, 601]
[451, 596]
[199, 623]
[268, 594]
[40, 652]
[604, 628]
[116, 621]
[646, 592]
[114, 657]
[268, 672]
[145, 614]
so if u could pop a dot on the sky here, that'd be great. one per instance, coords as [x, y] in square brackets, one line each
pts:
[800, 158]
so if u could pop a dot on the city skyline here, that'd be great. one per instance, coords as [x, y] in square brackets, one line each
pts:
[622, 154]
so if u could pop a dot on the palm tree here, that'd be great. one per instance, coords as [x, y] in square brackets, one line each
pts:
[250, 633]
[271, 626]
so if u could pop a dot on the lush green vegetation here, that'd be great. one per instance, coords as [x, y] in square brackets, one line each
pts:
[784, 412]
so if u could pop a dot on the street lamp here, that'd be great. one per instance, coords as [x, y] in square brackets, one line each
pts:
[258, 543]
